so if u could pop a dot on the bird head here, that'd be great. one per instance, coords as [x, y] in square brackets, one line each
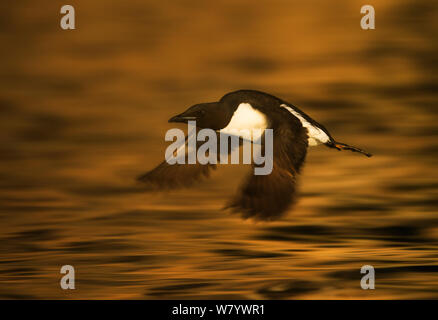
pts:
[207, 115]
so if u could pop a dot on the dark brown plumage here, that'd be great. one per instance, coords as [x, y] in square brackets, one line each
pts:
[267, 197]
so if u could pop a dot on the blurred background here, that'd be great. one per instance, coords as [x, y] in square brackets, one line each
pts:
[84, 112]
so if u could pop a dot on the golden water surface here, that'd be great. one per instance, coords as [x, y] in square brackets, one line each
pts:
[83, 112]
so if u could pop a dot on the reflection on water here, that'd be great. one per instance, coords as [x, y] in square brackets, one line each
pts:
[85, 111]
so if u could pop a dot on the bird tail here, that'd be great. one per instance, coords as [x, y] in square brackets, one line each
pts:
[343, 146]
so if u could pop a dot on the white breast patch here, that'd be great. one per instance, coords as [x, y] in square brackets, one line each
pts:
[316, 135]
[246, 122]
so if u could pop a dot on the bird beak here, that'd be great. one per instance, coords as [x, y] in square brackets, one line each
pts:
[181, 118]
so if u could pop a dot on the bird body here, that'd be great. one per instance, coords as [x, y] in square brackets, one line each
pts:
[264, 197]
[246, 120]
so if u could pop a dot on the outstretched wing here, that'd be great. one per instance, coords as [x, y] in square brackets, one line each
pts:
[167, 176]
[173, 176]
[267, 197]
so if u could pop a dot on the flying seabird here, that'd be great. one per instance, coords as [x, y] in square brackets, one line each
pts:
[262, 197]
